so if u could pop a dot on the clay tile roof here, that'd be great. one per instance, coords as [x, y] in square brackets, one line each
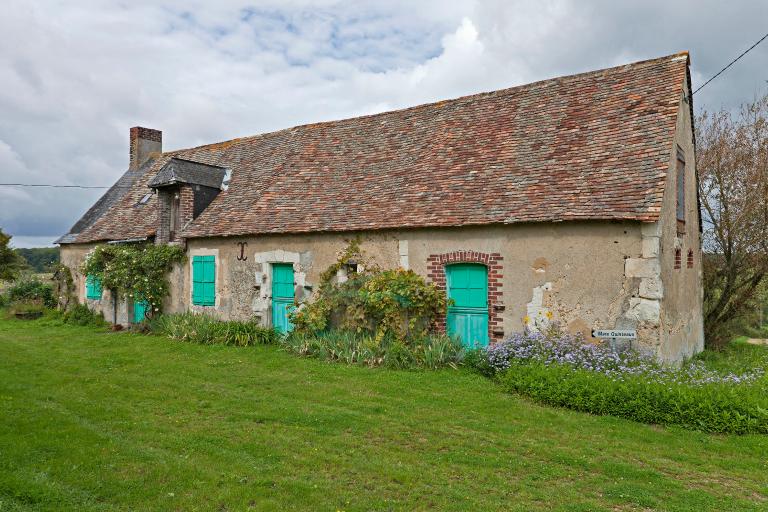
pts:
[590, 146]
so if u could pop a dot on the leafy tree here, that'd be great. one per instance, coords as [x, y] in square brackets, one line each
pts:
[41, 259]
[732, 161]
[10, 262]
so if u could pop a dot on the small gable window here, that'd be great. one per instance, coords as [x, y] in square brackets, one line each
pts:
[93, 288]
[680, 191]
[204, 280]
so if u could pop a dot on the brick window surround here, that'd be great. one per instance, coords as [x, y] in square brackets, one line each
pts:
[493, 261]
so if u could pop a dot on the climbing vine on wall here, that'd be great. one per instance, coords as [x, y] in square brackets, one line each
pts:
[397, 303]
[135, 271]
[64, 286]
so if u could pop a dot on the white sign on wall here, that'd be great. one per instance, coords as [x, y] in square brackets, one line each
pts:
[627, 334]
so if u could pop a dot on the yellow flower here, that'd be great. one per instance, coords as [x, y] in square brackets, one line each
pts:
[526, 320]
[549, 315]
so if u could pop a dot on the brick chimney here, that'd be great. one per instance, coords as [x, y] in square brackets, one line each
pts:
[144, 142]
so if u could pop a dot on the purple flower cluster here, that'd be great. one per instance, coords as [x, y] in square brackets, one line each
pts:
[556, 347]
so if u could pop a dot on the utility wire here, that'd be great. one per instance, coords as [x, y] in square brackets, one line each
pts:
[731, 63]
[46, 185]
[97, 187]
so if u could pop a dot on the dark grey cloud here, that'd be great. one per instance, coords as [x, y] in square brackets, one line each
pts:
[74, 76]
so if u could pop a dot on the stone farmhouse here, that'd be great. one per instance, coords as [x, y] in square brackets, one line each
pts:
[570, 200]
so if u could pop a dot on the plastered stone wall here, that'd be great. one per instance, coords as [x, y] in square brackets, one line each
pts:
[582, 275]
[681, 317]
[571, 273]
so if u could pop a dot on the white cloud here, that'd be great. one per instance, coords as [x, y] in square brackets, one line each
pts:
[75, 75]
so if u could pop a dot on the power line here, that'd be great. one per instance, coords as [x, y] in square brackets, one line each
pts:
[731, 63]
[47, 185]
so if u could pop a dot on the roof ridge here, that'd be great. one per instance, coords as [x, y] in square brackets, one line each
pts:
[521, 87]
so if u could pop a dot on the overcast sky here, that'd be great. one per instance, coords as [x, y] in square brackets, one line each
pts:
[76, 75]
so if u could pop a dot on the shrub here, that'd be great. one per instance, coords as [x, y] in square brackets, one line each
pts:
[207, 330]
[554, 347]
[32, 291]
[385, 303]
[349, 347]
[80, 314]
[560, 369]
[714, 407]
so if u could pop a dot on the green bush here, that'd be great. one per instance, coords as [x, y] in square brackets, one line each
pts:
[207, 330]
[31, 291]
[394, 303]
[135, 271]
[716, 407]
[80, 314]
[362, 349]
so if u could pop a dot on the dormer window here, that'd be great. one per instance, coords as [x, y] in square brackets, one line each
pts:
[185, 189]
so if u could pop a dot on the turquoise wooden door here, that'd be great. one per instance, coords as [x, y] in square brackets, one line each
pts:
[468, 315]
[282, 296]
[139, 311]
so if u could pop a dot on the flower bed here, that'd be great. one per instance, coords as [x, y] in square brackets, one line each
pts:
[561, 369]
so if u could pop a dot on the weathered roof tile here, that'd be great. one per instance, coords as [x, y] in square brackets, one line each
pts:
[588, 146]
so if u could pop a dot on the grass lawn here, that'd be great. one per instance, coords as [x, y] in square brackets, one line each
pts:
[91, 420]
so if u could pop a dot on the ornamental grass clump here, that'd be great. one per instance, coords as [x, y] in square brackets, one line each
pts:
[207, 330]
[562, 370]
[429, 352]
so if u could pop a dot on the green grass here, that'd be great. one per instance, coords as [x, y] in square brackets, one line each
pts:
[91, 420]
[738, 356]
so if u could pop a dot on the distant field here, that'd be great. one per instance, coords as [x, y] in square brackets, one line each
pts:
[91, 420]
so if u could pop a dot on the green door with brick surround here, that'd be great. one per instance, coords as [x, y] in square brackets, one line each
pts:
[468, 315]
[282, 296]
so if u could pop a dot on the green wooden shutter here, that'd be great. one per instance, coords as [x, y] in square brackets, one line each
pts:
[92, 288]
[204, 280]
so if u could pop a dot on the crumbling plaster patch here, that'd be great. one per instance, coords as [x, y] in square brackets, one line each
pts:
[537, 315]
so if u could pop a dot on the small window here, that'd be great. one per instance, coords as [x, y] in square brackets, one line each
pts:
[93, 288]
[145, 199]
[678, 258]
[680, 191]
[175, 215]
[204, 280]
[690, 258]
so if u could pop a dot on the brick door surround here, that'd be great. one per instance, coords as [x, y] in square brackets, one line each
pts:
[493, 261]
